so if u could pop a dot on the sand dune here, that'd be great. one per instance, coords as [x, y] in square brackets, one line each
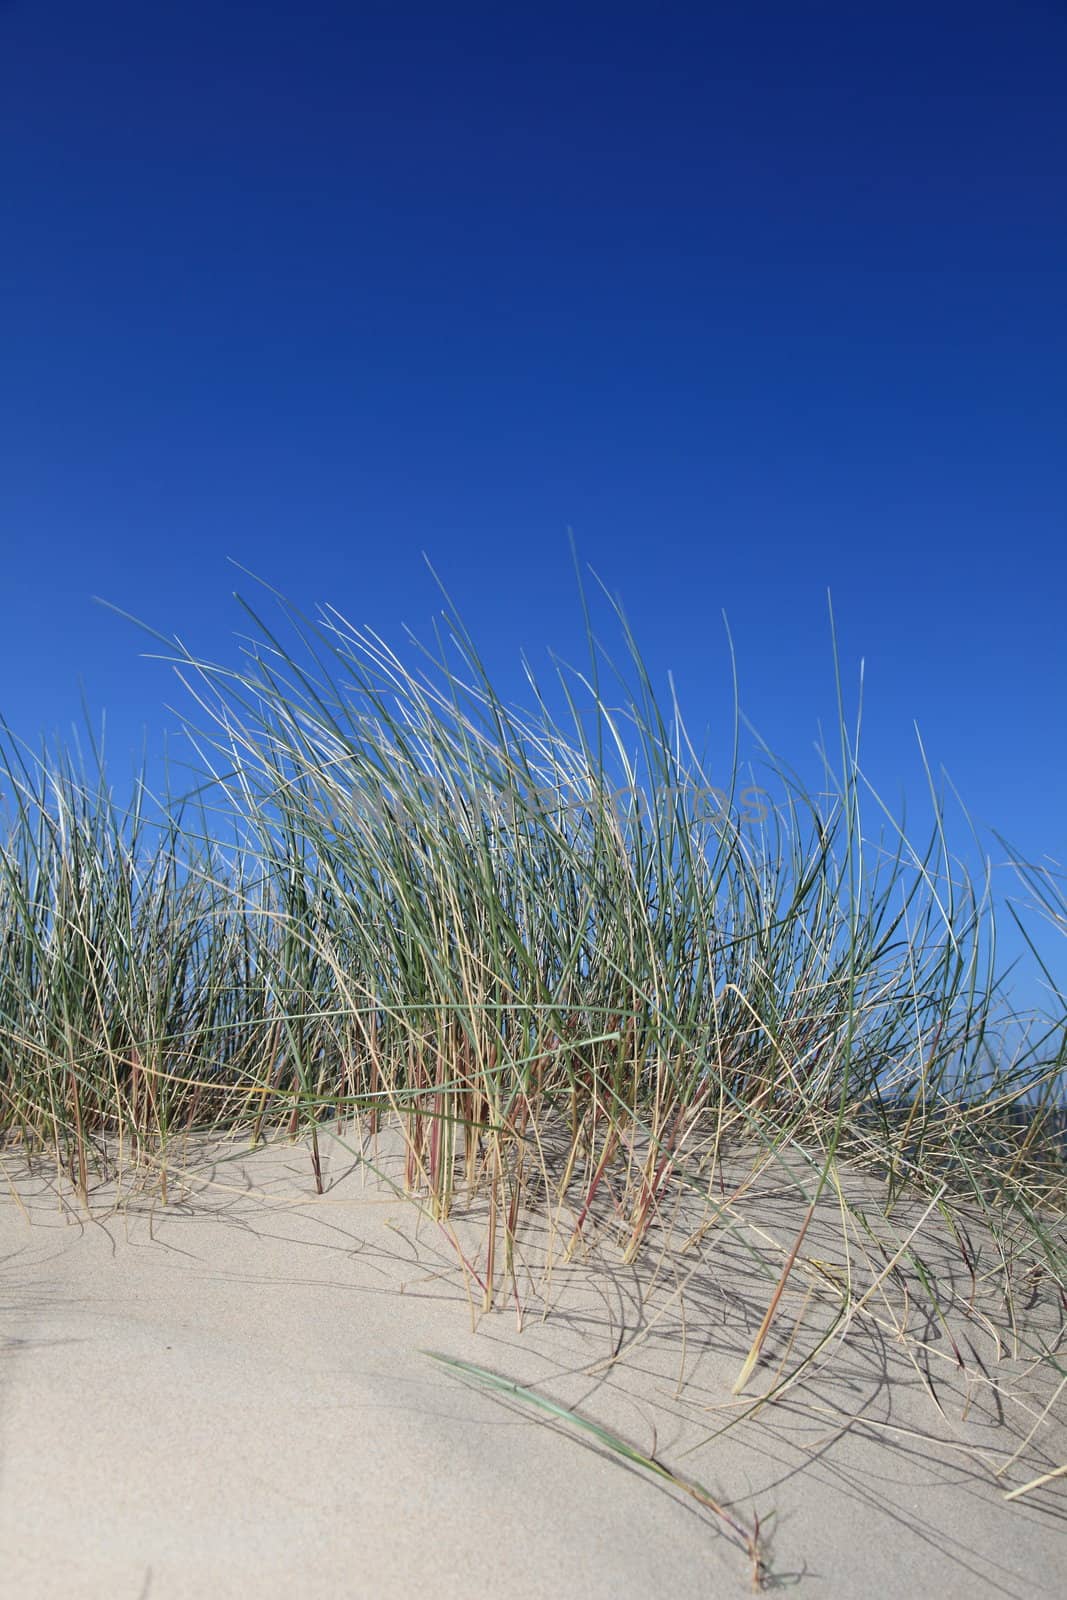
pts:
[230, 1396]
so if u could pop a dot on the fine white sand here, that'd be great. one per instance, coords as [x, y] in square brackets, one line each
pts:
[229, 1396]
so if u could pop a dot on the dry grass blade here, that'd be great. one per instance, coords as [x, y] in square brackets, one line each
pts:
[483, 1378]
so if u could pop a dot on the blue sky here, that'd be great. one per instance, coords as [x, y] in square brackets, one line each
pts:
[759, 300]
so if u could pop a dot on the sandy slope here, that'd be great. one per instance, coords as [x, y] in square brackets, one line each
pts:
[229, 1397]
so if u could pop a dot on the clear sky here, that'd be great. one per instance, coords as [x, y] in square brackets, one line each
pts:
[759, 299]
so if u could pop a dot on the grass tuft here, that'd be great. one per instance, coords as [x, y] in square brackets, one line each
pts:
[575, 973]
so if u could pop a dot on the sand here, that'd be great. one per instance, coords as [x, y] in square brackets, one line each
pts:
[230, 1396]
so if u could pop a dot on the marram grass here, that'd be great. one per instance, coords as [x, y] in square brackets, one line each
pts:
[572, 970]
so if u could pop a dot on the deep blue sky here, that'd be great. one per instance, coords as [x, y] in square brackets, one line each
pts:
[759, 299]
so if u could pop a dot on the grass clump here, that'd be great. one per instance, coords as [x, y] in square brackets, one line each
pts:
[572, 971]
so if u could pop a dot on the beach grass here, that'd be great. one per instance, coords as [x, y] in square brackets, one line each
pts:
[571, 970]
